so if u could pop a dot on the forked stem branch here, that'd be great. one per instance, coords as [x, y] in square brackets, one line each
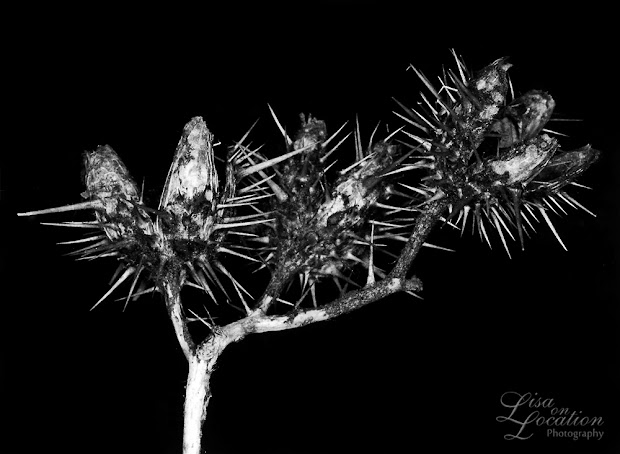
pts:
[202, 358]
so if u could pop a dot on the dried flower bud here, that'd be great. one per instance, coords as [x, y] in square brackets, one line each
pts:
[106, 176]
[108, 181]
[311, 135]
[191, 188]
[301, 172]
[563, 168]
[490, 85]
[481, 101]
[355, 191]
[516, 171]
[524, 118]
[523, 162]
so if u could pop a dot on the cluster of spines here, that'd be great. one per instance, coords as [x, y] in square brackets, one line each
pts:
[193, 225]
[327, 227]
[489, 154]
[298, 184]
[199, 217]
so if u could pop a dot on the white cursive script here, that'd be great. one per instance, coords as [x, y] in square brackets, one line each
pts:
[542, 412]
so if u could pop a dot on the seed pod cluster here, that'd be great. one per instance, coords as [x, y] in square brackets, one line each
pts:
[181, 240]
[492, 156]
[488, 154]
[322, 227]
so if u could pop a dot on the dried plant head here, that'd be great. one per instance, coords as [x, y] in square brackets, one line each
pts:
[490, 154]
[325, 227]
[485, 153]
[182, 240]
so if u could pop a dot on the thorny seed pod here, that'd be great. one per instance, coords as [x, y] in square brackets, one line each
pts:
[521, 163]
[517, 169]
[192, 221]
[108, 182]
[321, 228]
[482, 98]
[524, 118]
[191, 190]
[563, 168]
[357, 189]
[195, 213]
[489, 87]
[483, 154]
[302, 181]
[302, 174]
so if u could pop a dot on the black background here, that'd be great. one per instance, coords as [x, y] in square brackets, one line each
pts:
[394, 376]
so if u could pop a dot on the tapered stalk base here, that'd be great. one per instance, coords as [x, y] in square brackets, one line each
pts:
[197, 395]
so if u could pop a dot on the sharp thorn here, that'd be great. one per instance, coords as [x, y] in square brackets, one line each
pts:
[128, 272]
[133, 285]
[270, 163]
[91, 204]
[238, 254]
[572, 200]
[550, 224]
[499, 231]
[329, 139]
[289, 142]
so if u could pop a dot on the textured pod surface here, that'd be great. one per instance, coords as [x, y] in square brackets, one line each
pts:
[191, 188]
[563, 168]
[525, 161]
[106, 175]
[491, 156]
[323, 225]
[481, 102]
[524, 118]
[356, 190]
[108, 181]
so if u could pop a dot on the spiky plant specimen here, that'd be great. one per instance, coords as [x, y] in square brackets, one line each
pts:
[491, 158]
[480, 157]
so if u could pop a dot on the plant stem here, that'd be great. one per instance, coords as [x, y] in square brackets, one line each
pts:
[279, 278]
[172, 294]
[423, 226]
[197, 395]
[198, 391]
[202, 358]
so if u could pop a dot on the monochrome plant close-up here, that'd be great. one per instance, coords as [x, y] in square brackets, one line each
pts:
[328, 218]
